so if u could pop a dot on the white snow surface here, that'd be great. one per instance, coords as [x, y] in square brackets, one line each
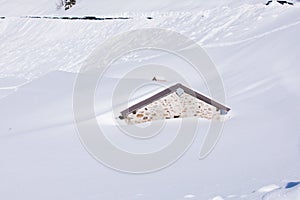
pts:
[255, 49]
[92, 7]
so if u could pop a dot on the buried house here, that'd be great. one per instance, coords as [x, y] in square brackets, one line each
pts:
[177, 101]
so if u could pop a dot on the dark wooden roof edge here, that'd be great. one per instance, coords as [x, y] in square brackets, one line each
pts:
[149, 100]
[168, 91]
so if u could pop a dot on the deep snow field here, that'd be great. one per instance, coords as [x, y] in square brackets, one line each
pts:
[255, 49]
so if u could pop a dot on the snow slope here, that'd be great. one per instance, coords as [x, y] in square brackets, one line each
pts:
[255, 49]
[92, 7]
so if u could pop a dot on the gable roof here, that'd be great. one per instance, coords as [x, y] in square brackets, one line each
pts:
[168, 91]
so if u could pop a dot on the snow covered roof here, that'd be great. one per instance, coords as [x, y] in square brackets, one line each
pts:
[179, 89]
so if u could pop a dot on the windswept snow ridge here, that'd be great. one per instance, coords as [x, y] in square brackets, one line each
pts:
[64, 45]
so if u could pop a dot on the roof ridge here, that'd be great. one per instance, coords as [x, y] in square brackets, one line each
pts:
[168, 91]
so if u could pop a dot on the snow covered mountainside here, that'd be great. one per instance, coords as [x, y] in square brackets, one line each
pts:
[255, 49]
[92, 7]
